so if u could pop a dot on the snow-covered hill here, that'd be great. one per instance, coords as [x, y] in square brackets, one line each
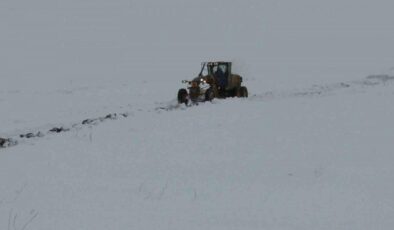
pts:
[278, 161]
[311, 148]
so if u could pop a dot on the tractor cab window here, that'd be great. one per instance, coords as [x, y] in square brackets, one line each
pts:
[214, 69]
[218, 68]
[205, 71]
[211, 69]
[223, 68]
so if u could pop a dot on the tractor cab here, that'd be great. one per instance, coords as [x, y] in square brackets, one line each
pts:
[220, 71]
[214, 67]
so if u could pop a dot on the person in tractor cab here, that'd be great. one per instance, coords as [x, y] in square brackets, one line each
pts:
[221, 78]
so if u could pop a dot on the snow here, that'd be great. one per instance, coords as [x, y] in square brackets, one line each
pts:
[311, 148]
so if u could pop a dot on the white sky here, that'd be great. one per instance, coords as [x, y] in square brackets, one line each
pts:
[92, 37]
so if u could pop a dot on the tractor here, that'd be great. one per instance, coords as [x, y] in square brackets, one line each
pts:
[215, 80]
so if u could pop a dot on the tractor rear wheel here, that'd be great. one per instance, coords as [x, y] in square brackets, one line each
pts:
[182, 96]
[244, 91]
[241, 92]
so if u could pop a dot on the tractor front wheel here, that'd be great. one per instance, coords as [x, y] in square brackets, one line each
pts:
[209, 94]
[182, 96]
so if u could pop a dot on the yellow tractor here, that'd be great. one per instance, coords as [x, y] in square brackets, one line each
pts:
[215, 80]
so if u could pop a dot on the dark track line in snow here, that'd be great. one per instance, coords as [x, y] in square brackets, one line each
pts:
[316, 90]
[12, 141]
[174, 105]
[321, 90]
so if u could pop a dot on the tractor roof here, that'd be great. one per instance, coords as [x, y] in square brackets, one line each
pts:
[216, 62]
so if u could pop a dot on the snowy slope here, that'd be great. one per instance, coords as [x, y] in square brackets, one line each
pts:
[307, 162]
[311, 148]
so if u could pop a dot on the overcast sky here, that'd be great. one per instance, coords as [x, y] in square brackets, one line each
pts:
[91, 37]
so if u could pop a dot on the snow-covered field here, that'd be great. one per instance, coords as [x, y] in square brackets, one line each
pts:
[311, 148]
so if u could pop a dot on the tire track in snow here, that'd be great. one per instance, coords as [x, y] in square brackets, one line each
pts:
[321, 90]
[316, 90]
[15, 140]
